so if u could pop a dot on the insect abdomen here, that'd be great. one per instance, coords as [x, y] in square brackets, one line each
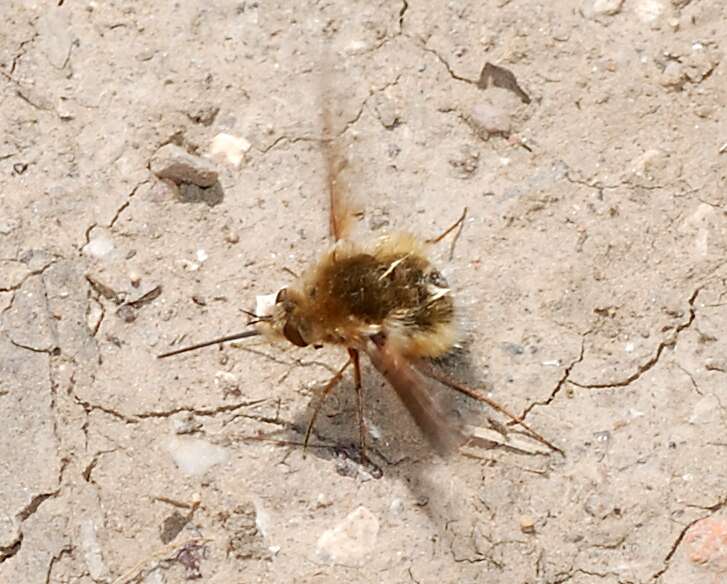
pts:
[398, 292]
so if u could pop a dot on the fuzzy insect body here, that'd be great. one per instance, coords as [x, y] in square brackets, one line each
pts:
[353, 293]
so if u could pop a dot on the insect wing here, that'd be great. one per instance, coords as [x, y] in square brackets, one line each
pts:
[411, 388]
[341, 209]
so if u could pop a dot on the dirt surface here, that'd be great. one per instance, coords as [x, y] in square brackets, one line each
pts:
[590, 275]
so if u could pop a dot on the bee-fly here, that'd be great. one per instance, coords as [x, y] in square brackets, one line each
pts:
[386, 300]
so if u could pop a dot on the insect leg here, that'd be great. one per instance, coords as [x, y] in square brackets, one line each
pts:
[457, 224]
[326, 390]
[353, 354]
[430, 371]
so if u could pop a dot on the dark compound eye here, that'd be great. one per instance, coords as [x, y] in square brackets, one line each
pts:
[292, 333]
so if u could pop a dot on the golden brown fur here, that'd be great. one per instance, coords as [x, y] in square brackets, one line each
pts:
[354, 292]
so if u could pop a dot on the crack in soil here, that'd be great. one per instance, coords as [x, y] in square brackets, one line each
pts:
[88, 471]
[402, 13]
[673, 549]
[124, 205]
[652, 361]
[66, 550]
[56, 258]
[9, 551]
[561, 382]
[443, 61]
[136, 418]
[201, 412]
[51, 351]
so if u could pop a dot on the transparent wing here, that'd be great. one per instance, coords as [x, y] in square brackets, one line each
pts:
[411, 387]
[340, 207]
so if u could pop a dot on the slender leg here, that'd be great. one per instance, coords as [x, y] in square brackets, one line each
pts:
[459, 223]
[353, 354]
[430, 371]
[326, 390]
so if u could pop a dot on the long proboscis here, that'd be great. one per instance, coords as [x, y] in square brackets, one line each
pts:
[235, 337]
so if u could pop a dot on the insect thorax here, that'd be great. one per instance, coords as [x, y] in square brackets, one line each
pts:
[390, 289]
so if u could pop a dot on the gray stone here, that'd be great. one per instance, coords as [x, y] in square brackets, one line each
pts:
[179, 166]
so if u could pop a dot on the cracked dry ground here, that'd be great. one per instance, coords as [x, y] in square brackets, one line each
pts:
[591, 272]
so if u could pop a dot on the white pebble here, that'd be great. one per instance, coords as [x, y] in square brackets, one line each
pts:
[552, 363]
[264, 304]
[596, 8]
[651, 164]
[323, 500]
[349, 542]
[490, 120]
[194, 456]
[229, 148]
[99, 247]
[649, 10]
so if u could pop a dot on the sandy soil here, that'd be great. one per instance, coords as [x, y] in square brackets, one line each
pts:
[590, 274]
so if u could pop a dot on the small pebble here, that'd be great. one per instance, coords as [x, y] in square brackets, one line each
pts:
[176, 164]
[185, 423]
[465, 162]
[490, 120]
[227, 382]
[264, 304]
[135, 278]
[322, 501]
[229, 148]
[596, 8]
[649, 10]
[99, 246]
[194, 456]
[651, 164]
[387, 112]
[527, 524]
[349, 542]
[673, 76]
[204, 113]
[232, 237]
